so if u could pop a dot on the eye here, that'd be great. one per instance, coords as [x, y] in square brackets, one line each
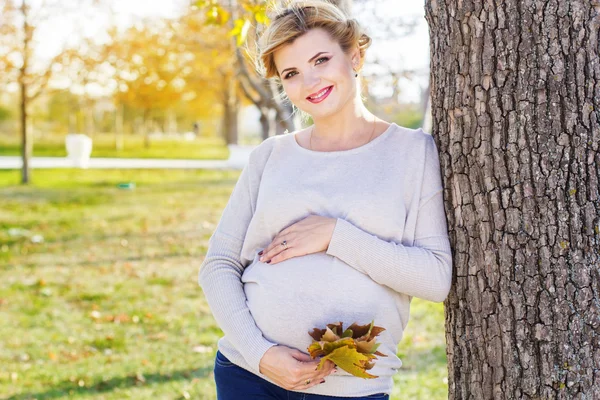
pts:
[288, 75]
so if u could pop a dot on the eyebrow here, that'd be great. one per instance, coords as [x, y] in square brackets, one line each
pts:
[313, 57]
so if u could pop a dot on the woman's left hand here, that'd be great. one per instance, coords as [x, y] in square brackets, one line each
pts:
[309, 235]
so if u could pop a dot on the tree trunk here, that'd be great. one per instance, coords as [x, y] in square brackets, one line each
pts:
[146, 129]
[25, 138]
[231, 106]
[284, 119]
[515, 91]
[119, 110]
[264, 123]
[25, 144]
[90, 128]
[264, 94]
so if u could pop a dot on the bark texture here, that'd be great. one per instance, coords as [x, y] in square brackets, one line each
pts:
[515, 91]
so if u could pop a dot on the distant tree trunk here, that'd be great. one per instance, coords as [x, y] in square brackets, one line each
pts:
[264, 123]
[171, 122]
[146, 129]
[231, 106]
[516, 115]
[119, 127]
[72, 120]
[284, 119]
[25, 145]
[90, 128]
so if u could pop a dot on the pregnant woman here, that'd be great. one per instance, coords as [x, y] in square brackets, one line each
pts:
[341, 221]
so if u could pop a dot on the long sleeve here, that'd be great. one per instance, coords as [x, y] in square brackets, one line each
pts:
[221, 272]
[423, 270]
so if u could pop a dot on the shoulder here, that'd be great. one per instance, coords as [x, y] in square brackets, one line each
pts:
[416, 135]
[261, 153]
[414, 141]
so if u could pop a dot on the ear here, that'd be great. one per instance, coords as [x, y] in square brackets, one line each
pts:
[355, 56]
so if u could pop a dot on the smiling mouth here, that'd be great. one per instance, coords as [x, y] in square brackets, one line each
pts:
[320, 95]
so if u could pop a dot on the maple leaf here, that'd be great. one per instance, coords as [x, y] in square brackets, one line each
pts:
[353, 351]
[350, 361]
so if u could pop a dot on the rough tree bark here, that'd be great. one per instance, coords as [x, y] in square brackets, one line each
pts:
[516, 116]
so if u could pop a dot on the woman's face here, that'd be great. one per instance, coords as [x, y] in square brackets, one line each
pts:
[317, 76]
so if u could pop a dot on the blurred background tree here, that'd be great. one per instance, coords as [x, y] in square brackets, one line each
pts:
[18, 36]
[192, 73]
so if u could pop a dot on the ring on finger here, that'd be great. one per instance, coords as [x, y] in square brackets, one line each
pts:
[285, 246]
[307, 381]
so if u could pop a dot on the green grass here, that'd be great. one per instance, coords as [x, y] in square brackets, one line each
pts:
[107, 305]
[104, 146]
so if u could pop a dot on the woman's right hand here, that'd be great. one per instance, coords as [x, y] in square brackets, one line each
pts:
[290, 368]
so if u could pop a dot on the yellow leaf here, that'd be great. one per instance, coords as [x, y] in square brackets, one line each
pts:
[350, 361]
[216, 15]
[240, 30]
[321, 348]
[359, 342]
[261, 17]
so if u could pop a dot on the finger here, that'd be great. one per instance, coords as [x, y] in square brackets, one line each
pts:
[275, 248]
[309, 371]
[283, 255]
[316, 379]
[323, 373]
[267, 253]
[300, 356]
[304, 386]
[327, 369]
[307, 359]
[268, 257]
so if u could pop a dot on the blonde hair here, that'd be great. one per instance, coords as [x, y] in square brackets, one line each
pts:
[299, 17]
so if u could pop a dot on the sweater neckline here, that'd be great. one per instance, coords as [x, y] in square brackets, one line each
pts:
[354, 150]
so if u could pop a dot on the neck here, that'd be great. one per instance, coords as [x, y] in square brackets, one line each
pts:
[351, 123]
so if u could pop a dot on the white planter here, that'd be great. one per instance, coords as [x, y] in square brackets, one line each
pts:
[79, 149]
[239, 155]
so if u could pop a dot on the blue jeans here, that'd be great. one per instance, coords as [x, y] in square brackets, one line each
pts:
[235, 383]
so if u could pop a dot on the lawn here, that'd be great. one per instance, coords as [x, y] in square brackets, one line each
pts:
[99, 296]
[103, 145]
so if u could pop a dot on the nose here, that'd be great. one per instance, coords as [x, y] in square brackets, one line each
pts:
[311, 82]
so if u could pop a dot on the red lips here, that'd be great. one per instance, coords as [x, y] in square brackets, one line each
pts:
[323, 97]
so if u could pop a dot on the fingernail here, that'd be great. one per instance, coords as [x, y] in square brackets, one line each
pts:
[269, 262]
[321, 382]
[260, 254]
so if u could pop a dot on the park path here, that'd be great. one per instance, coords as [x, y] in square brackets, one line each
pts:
[15, 162]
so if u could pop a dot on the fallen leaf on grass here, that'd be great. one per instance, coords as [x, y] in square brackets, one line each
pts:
[95, 314]
[202, 349]
[158, 336]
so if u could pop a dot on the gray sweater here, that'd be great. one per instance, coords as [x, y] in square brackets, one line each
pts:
[390, 243]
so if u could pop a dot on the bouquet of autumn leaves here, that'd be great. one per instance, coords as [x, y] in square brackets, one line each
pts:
[351, 350]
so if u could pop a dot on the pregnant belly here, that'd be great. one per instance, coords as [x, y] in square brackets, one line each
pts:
[290, 298]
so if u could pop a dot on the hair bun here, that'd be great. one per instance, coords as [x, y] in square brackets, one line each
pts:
[299, 17]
